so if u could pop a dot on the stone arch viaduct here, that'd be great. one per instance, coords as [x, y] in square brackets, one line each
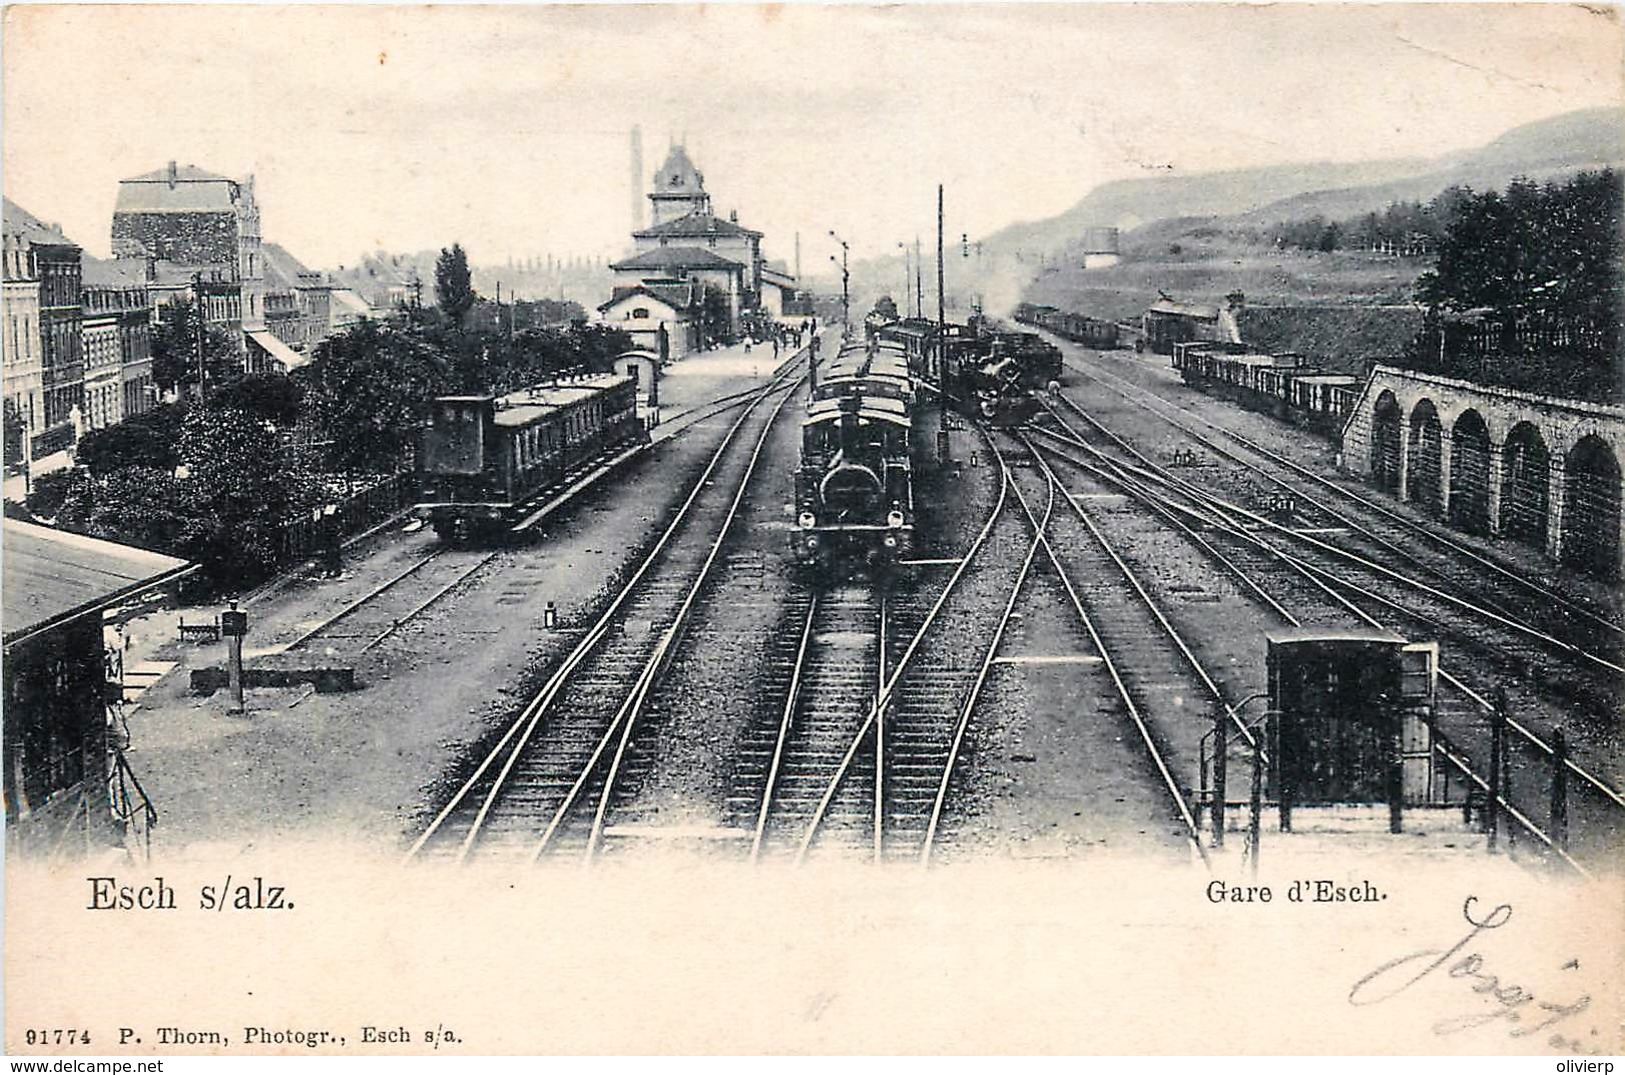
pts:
[1495, 461]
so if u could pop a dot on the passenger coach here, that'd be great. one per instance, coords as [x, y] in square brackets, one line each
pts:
[485, 459]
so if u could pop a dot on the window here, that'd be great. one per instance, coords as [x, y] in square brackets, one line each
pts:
[640, 313]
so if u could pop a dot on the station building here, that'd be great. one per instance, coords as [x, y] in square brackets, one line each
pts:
[686, 251]
[65, 780]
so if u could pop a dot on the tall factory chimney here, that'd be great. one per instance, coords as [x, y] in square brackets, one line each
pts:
[637, 178]
[798, 257]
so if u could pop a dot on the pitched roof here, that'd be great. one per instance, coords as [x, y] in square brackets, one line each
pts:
[678, 174]
[703, 224]
[185, 173]
[23, 224]
[112, 272]
[193, 191]
[344, 297]
[677, 257]
[1184, 309]
[52, 575]
[284, 272]
[679, 296]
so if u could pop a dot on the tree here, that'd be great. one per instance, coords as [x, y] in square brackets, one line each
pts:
[886, 307]
[175, 341]
[272, 397]
[148, 440]
[141, 506]
[368, 392]
[238, 493]
[453, 287]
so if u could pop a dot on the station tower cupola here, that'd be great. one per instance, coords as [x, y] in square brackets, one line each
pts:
[679, 188]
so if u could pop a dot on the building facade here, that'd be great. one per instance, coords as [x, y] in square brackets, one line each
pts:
[298, 301]
[201, 231]
[24, 376]
[43, 260]
[688, 248]
[115, 299]
[647, 311]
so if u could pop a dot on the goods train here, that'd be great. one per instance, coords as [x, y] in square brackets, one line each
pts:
[854, 485]
[484, 460]
[1089, 331]
[1279, 384]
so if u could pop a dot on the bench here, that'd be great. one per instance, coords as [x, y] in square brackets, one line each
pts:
[208, 631]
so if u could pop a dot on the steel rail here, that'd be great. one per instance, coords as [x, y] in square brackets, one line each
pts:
[543, 700]
[1145, 597]
[1320, 577]
[1313, 574]
[790, 701]
[1192, 831]
[1365, 562]
[963, 724]
[880, 729]
[1117, 383]
[363, 600]
[670, 639]
[900, 667]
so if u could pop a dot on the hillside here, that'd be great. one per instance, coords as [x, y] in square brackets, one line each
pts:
[1545, 149]
[1212, 238]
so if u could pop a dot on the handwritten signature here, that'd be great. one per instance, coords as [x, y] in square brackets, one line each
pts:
[1508, 1002]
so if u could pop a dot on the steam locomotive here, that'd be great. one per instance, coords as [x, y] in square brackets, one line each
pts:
[981, 370]
[854, 483]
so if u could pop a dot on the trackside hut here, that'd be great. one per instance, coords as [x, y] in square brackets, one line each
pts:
[57, 754]
[642, 310]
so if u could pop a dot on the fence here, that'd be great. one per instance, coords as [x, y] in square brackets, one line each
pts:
[1574, 361]
[300, 538]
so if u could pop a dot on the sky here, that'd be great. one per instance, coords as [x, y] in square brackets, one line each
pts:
[507, 129]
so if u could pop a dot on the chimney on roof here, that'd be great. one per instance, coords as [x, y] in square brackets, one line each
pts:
[733, 216]
[174, 173]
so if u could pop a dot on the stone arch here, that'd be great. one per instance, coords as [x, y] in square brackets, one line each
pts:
[1385, 442]
[1426, 438]
[1591, 496]
[1525, 467]
[1470, 473]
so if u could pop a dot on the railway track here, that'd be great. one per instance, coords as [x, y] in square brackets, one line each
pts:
[1512, 634]
[1293, 587]
[1505, 657]
[878, 689]
[1150, 669]
[548, 784]
[384, 610]
[1375, 531]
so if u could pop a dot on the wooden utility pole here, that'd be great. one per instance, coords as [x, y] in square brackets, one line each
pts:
[202, 328]
[942, 343]
[919, 280]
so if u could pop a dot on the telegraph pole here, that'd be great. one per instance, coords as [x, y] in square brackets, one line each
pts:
[846, 313]
[202, 326]
[919, 279]
[943, 380]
